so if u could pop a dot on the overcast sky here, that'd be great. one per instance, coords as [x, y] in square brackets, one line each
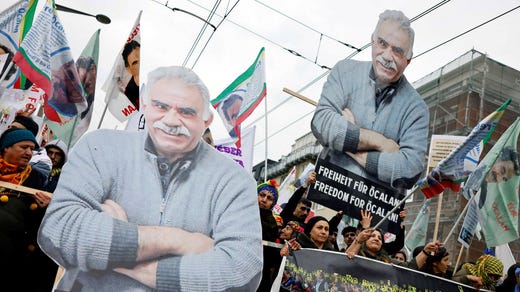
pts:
[298, 25]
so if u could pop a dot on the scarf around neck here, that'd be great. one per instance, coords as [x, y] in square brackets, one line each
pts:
[12, 173]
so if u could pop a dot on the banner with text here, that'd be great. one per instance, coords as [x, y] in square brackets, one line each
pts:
[307, 269]
[339, 189]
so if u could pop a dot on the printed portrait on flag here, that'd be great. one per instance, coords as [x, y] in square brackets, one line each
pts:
[231, 109]
[66, 89]
[15, 21]
[6, 58]
[87, 71]
[122, 84]
[129, 79]
[241, 97]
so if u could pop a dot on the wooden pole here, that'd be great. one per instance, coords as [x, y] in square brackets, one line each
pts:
[296, 94]
[438, 217]
[22, 189]
[458, 259]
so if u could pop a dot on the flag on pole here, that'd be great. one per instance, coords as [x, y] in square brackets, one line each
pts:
[416, 236]
[243, 155]
[122, 84]
[15, 21]
[86, 64]
[499, 202]
[504, 254]
[450, 172]
[285, 190]
[493, 188]
[242, 96]
[45, 58]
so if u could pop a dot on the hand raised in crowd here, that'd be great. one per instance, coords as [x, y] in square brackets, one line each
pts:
[311, 179]
[360, 239]
[366, 218]
[402, 215]
[291, 244]
[42, 199]
[432, 247]
[26, 112]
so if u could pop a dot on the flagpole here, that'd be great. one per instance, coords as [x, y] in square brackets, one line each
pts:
[410, 193]
[103, 115]
[458, 259]
[457, 222]
[6, 71]
[438, 216]
[266, 141]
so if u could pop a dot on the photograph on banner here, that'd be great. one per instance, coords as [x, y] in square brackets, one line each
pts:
[14, 100]
[122, 85]
[340, 189]
[316, 270]
[13, 23]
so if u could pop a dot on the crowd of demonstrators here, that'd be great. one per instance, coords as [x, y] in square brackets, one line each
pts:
[24, 267]
[511, 283]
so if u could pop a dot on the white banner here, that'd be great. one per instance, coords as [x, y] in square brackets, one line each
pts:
[121, 85]
[243, 155]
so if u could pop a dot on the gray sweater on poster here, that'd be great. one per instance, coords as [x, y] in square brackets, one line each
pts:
[208, 193]
[403, 117]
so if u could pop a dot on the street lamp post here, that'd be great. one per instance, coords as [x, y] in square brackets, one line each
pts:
[99, 17]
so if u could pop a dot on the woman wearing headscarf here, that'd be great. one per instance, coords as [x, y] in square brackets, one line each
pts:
[485, 273]
[316, 234]
[288, 234]
[369, 243]
[267, 197]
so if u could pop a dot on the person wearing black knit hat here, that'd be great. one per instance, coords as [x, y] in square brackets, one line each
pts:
[23, 122]
[316, 234]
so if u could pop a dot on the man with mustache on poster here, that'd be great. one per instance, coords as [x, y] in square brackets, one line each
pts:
[369, 118]
[158, 209]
